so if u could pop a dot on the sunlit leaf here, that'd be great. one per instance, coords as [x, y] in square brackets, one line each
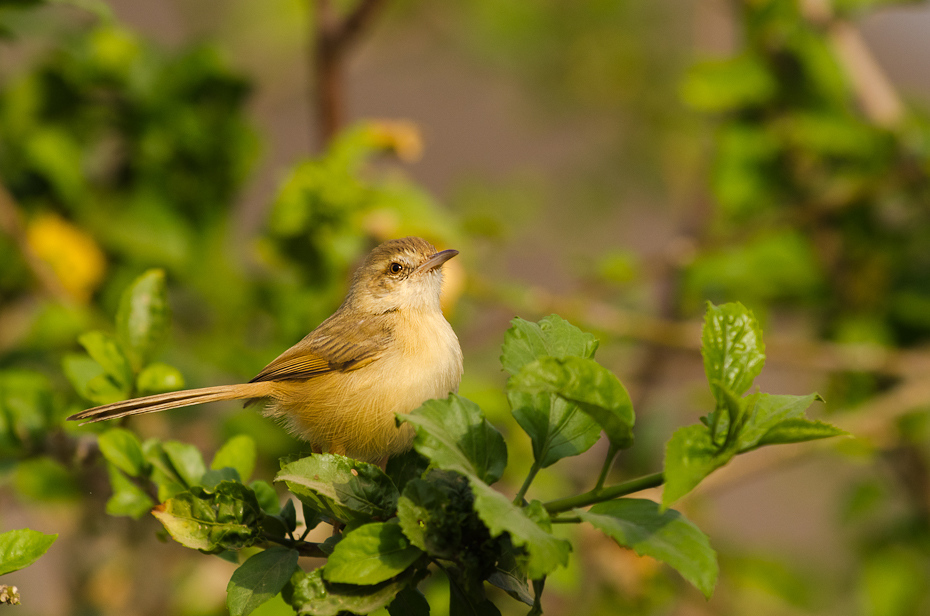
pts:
[454, 434]
[664, 535]
[226, 517]
[20, 548]
[596, 391]
[370, 554]
[239, 453]
[142, 318]
[347, 489]
[122, 449]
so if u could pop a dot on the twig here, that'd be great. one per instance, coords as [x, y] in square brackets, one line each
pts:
[876, 95]
[334, 38]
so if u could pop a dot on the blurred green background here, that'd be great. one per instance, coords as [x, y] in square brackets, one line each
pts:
[619, 163]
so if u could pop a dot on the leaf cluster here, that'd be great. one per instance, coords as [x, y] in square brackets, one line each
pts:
[438, 506]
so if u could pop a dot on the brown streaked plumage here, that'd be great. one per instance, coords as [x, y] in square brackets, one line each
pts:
[386, 350]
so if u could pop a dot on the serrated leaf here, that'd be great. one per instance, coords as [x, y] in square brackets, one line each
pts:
[227, 517]
[526, 341]
[454, 435]
[128, 499]
[798, 430]
[260, 578]
[239, 453]
[186, 461]
[142, 317]
[347, 489]
[309, 593]
[22, 547]
[664, 535]
[557, 428]
[769, 411]
[732, 347]
[690, 456]
[104, 349]
[122, 449]
[584, 382]
[370, 554]
[157, 378]
[545, 551]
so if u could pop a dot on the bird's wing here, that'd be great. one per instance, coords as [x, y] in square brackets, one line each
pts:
[327, 350]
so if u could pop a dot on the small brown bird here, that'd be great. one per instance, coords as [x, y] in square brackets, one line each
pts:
[386, 350]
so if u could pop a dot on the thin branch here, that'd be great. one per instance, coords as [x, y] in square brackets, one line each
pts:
[604, 494]
[797, 353]
[333, 39]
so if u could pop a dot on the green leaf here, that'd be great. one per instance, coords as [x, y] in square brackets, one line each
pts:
[798, 430]
[558, 429]
[142, 318]
[347, 489]
[266, 495]
[128, 499]
[158, 378]
[91, 381]
[104, 349]
[122, 449]
[690, 456]
[20, 548]
[227, 517]
[370, 554]
[186, 461]
[163, 472]
[664, 535]
[454, 434]
[725, 85]
[545, 552]
[510, 575]
[732, 346]
[596, 391]
[406, 467]
[769, 412]
[259, 579]
[409, 602]
[437, 515]
[239, 453]
[526, 341]
[463, 603]
[309, 593]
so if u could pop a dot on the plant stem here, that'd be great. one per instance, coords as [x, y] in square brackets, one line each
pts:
[568, 519]
[603, 494]
[305, 548]
[518, 499]
[608, 462]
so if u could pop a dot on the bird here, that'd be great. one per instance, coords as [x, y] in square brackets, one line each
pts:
[385, 351]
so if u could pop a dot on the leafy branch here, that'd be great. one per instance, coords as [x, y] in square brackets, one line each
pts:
[436, 506]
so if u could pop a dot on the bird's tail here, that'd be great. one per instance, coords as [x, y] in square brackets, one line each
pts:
[173, 400]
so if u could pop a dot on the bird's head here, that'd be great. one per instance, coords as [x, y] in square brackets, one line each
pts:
[402, 274]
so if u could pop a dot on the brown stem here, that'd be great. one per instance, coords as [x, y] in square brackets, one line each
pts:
[334, 38]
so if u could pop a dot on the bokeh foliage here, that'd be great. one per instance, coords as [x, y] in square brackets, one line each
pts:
[121, 156]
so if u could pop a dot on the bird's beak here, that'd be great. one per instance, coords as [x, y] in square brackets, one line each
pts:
[435, 261]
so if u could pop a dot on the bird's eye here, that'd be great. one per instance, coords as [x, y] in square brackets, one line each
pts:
[396, 268]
